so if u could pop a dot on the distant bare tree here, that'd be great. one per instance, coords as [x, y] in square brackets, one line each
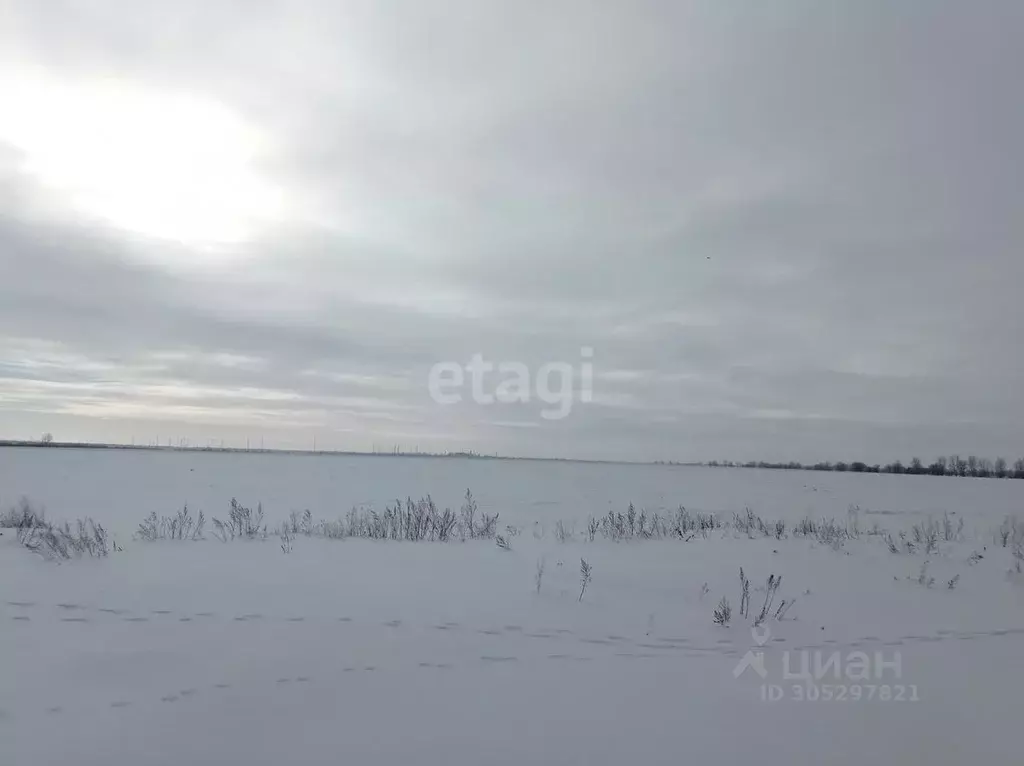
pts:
[46, 439]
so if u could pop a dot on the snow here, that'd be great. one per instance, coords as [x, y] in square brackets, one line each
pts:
[356, 651]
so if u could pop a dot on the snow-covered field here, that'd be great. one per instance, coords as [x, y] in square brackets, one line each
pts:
[361, 651]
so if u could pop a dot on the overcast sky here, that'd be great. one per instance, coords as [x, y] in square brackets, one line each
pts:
[788, 230]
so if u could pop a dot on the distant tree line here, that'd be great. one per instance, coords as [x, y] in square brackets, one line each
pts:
[954, 465]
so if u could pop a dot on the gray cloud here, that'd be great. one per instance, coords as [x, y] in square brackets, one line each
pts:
[787, 232]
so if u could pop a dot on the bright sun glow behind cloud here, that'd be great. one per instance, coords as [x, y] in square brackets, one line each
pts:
[173, 166]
